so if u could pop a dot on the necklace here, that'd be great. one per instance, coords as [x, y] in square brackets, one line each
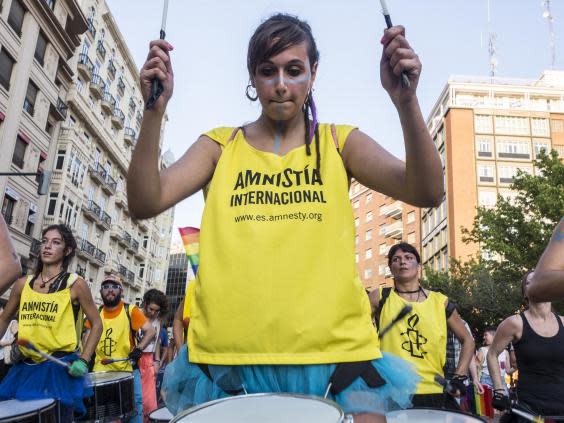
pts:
[45, 282]
[408, 292]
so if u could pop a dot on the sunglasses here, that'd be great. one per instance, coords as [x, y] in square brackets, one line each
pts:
[110, 285]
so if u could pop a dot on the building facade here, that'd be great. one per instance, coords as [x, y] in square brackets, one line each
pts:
[37, 40]
[485, 131]
[380, 222]
[177, 275]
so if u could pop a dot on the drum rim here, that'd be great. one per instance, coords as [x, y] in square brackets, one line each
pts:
[199, 407]
[479, 418]
[158, 409]
[127, 375]
[30, 413]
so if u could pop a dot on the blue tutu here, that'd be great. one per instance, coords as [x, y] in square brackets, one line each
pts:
[46, 380]
[186, 385]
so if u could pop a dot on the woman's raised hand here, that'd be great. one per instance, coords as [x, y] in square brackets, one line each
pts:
[158, 65]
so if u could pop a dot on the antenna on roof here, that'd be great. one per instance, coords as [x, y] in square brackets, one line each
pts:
[491, 47]
[547, 14]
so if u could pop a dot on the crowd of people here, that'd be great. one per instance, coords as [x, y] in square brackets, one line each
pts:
[277, 305]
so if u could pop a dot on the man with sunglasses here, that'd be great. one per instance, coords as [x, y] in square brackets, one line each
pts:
[121, 322]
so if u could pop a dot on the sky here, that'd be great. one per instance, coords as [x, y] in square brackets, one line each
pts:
[210, 40]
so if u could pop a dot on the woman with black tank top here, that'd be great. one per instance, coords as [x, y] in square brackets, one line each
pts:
[537, 334]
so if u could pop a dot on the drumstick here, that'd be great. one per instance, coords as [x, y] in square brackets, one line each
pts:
[528, 416]
[27, 344]
[107, 361]
[156, 85]
[403, 312]
[404, 79]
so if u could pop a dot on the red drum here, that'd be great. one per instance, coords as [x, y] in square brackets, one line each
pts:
[33, 411]
[260, 408]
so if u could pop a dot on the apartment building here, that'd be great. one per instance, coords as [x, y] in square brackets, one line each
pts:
[37, 39]
[486, 129]
[380, 222]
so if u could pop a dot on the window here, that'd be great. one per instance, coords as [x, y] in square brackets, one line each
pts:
[382, 249]
[8, 206]
[382, 269]
[356, 258]
[539, 146]
[506, 174]
[40, 48]
[483, 124]
[356, 204]
[16, 16]
[368, 198]
[539, 127]
[368, 235]
[145, 241]
[356, 240]
[557, 125]
[356, 222]
[141, 270]
[60, 159]
[356, 188]
[411, 217]
[19, 152]
[31, 95]
[411, 238]
[487, 199]
[51, 4]
[52, 203]
[6, 66]
[367, 273]
[484, 147]
[369, 216]
[30, 222]
[368, 254]
[513, 149]
[486, 173]
[382, 230]
[514, 125]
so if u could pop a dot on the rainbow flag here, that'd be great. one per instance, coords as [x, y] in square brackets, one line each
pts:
[191, 240]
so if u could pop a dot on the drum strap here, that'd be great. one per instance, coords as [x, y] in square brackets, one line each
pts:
[206, 370]
[347, 373]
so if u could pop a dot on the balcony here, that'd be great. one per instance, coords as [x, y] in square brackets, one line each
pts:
[85, 66]
[111, 266]
[132, 104]
[130, 277]
[394, 230]
[126, 238]
[110, 185]
[91, 30]
[133, 246]
[97, 86]
[98, 173]
[34, 248]
[123, 240]
[118, 118]
[59, 111]
[121, 86]
[393, 210]
[99, 257]
[101, 50]
[111, 69]
[143, 224]
[122, 270]
[121, 200]
[140, 252]
[85, 249]
[129, 136]
[115, 232]
[108, 102]
[105, 220]
[91, 210]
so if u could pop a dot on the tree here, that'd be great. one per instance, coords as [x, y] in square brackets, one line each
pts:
[513, 235]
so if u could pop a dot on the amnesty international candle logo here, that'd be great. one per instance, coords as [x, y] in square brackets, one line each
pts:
[415, 341]
[262, 184]
[108, 344]
[45, 311]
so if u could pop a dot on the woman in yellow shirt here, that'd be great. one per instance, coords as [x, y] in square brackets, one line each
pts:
[277, 297]
[49, 302]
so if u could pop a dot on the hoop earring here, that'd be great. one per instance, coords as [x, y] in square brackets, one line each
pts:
[249, 96]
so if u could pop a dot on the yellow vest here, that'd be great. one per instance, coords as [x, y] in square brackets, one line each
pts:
[419, 338]
[277, 281]
[47, 320]
[189, 293]
[114, 343]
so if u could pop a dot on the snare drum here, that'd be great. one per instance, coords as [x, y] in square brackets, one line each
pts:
[428, 415]
[113, 397]
[161, 415]
[33, 411]
[260, 408]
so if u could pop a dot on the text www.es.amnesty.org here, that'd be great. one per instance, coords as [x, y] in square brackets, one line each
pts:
[299, 216]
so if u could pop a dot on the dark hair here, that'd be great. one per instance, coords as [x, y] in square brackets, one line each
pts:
[491, 329]
[68, 239]
[525, 299]
[273, 36]
[156, 297]
[406, 248]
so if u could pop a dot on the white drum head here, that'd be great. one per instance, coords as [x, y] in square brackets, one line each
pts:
[424, 415]
[102, 378]
[161, 414]
[15, 408]
[260, 408]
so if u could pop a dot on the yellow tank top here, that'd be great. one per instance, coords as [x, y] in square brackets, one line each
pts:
[47, 320]
[114, 343]
[277, 281]
[420, 338]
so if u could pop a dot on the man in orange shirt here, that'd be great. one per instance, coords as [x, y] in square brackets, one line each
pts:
[121, 322]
